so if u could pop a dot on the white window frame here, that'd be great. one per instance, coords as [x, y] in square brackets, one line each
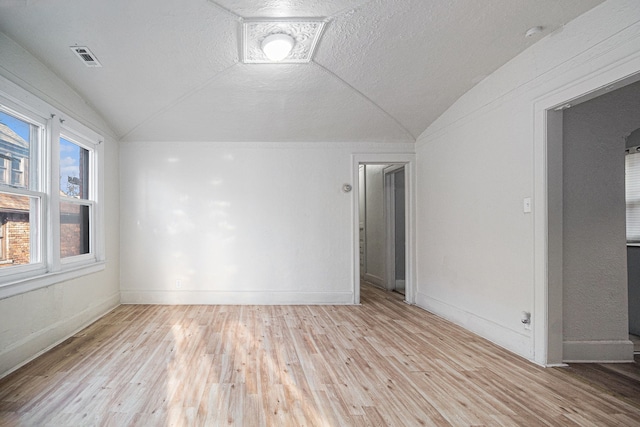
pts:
[50, 268]
[37, 190]
[92, 148]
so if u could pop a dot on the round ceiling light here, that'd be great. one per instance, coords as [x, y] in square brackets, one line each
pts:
[277, 47]
[533, 31]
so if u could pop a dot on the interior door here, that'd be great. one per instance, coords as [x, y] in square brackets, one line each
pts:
[399, 224]
[362, 220]
[395, 214]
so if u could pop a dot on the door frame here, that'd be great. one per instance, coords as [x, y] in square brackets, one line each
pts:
[547, 324]
[362, 226]
[389, 174]
[408, 161]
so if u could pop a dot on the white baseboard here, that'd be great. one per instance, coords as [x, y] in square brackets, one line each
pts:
[38, 343]
[195, 297]
[372, 278]
[516, 342]
[608, 351]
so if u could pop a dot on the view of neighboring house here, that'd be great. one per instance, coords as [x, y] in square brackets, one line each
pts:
[15, 230]
[14, 158]
[14, 209]
[15, 235]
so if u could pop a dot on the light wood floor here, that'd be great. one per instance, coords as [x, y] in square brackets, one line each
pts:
[381, 363]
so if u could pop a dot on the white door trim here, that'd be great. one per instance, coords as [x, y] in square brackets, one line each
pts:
[547, 322]
[408, 160]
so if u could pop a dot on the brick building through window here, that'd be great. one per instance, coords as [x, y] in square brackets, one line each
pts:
[15, 230]
[15, 225]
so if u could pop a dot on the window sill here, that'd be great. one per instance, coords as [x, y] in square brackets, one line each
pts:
[26, 285]
[633, 244]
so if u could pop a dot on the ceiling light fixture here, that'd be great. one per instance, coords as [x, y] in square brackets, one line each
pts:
[533, 31]
[277, 47]
[293, 41]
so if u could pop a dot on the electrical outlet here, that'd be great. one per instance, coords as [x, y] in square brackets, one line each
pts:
[178, 284]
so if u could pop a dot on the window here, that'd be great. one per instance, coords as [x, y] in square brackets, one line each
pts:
[16, 138]
[632, 189]
[75, 201]
[20, 195]
[50, 221]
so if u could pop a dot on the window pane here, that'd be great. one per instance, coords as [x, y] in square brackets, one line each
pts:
[632, 188]
[17, 229]
[15, 143]
[74, 229]
[74, 170]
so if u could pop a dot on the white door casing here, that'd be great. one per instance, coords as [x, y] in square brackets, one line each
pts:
[408, 162]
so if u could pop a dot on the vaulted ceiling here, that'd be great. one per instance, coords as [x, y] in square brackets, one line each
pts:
[383, 69]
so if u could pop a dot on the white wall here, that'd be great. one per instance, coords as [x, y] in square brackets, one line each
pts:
[238, 223]
[479, 260]
[34, 321]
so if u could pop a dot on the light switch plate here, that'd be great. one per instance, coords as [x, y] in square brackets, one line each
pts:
[526, 206]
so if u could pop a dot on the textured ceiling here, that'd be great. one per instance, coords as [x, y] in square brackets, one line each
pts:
[383, 70]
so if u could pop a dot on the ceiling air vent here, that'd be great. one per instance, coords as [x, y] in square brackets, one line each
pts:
[86, 56]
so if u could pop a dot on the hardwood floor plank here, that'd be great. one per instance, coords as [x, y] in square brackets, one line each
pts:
[381, 363]
[620, 380]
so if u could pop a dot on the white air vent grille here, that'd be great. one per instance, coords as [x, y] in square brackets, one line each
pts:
[86, 56]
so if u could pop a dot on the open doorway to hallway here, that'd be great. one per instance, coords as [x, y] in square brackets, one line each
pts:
[365, 263]
[594, 264]
[382, 225]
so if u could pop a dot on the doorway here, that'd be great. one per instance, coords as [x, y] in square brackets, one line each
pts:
[584, 209]
[383, 222]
